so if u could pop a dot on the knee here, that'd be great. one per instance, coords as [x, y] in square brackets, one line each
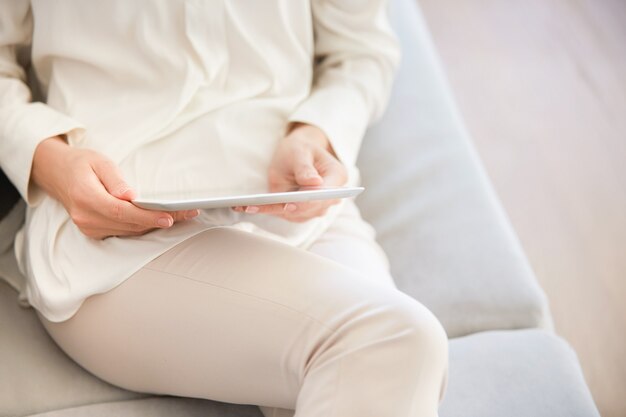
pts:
[426, 339]
[424, 332]
[391, 317]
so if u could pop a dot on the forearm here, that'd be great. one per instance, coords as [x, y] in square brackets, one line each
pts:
[356, 54]
[49, 162]
[23, 124]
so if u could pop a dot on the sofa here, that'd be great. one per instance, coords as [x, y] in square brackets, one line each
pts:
[450, 245]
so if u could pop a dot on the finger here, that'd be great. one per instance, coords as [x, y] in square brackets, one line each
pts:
[105, 223]
[309, 210]
[333, 172]
[103, 233]
[245, 209]
[111, 177]
[102, 223]
[269, 208]
[304, 210]
[307, 215]
[304, 170]
[125, 212]
[182, 215]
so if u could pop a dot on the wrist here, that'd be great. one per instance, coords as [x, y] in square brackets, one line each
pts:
[310, 133]
[48, 163]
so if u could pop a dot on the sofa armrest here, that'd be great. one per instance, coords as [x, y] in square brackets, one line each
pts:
[449, 241]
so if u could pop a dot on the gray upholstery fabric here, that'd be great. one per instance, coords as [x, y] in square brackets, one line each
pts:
[160, 407]
[522, 373]
[9, 225]
[448, 239]
[35, 375]
[450, 246]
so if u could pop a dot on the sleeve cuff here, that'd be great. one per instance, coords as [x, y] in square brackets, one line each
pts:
[341, 114]
[22, 128]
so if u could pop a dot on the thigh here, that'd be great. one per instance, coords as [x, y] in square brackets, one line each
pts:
[351, 241]
[225, 315]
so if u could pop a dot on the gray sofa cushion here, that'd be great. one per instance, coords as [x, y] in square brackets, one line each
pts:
[449, 242]
[159, 406]
[522, 373]
[9, 225]
[35, 375]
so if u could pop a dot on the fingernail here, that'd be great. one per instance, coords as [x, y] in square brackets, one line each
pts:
[189, 214]
[252, 209]
[165, 222]
[290, 207]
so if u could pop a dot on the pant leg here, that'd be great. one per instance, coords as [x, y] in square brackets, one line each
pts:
[238, 318]
[351, 242]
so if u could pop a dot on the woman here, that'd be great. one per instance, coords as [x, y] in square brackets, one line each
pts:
[288, 306]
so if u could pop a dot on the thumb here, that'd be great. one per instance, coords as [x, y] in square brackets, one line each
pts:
[333, 172]
[112, 179]
[305, 173]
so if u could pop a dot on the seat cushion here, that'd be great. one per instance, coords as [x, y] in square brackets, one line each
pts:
[159, 407]
[522, 373]
[35, 375]
[449, 241]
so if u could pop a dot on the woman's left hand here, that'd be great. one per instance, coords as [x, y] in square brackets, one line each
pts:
[304, 157]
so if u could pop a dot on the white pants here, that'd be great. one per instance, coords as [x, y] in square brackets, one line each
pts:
[234, 317]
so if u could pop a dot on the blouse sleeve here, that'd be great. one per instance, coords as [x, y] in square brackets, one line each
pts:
[23, 123]
[356, 54]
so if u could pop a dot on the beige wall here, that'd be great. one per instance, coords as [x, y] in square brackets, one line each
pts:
[542, 87]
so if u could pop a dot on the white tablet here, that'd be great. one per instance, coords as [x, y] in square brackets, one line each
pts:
[244, 198]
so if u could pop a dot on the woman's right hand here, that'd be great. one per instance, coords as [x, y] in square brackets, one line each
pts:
[94, 193]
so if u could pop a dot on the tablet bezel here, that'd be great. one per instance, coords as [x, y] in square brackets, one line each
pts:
[256, 199]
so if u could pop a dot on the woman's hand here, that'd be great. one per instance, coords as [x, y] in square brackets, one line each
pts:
[92, 190]
[304, 157]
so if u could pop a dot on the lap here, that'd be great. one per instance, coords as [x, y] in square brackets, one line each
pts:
[351, 241]
[224, 307]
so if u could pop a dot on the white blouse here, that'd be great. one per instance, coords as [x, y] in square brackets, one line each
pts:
[185, 96]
